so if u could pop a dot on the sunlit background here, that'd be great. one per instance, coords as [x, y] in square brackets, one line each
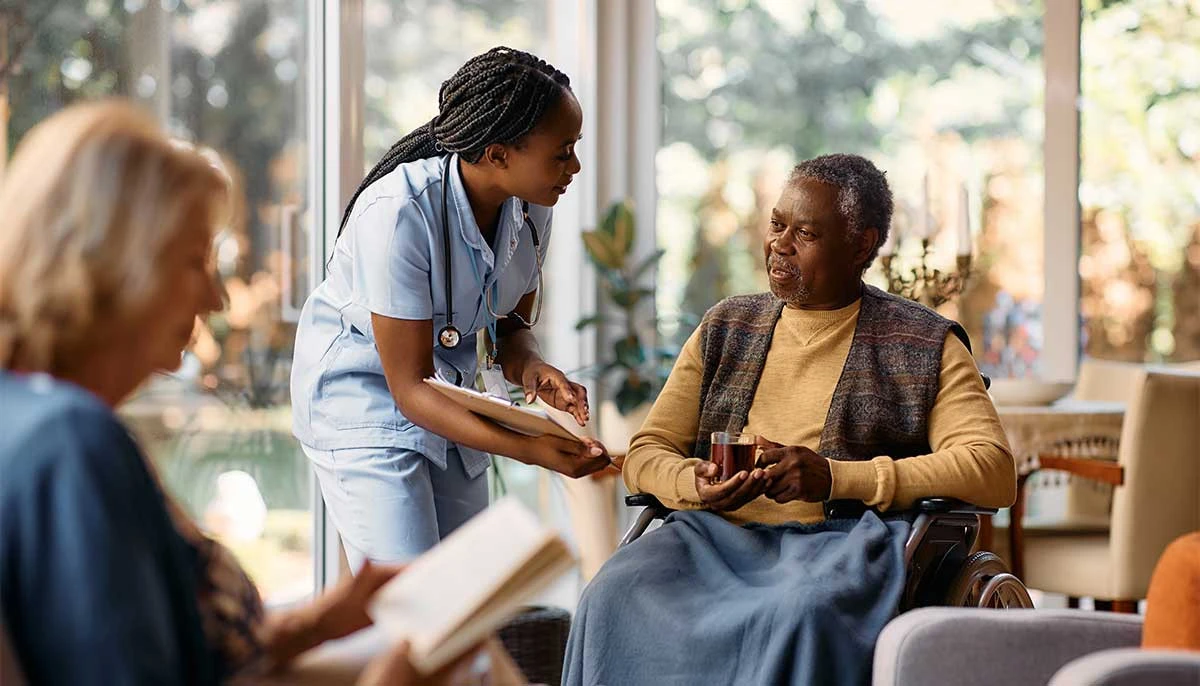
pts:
[945, 95]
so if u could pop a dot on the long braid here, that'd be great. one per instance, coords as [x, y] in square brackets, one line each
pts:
[496, 97]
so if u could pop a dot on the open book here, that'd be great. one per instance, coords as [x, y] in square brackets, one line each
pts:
[531, 421]
[466, 587]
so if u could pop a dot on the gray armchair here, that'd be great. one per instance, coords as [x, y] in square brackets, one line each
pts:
[1131, 667]
[932, 646]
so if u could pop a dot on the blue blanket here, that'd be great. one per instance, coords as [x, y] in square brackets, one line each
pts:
[702, 601]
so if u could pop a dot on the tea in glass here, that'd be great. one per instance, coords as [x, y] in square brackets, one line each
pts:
[733, 452]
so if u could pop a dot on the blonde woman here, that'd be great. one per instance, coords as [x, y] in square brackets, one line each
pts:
[105, 239]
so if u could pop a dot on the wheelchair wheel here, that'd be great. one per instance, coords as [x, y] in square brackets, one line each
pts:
[986, 582]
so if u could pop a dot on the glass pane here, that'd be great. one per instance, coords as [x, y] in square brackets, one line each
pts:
[414, 45]
[752, 87]
[1140, 256]
[229, 76]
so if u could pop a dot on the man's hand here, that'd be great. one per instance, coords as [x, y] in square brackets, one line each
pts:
[795, 473]
[732, 493]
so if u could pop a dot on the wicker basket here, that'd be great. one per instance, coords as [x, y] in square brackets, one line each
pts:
[537, 640]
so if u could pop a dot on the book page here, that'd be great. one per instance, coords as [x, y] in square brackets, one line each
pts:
[546, 567]
[441, 590]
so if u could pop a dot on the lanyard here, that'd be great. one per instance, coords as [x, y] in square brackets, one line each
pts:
[487, 296]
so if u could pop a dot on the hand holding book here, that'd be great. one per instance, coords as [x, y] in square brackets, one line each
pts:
[466, 587]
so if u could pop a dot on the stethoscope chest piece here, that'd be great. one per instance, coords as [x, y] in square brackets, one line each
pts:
[449, 337]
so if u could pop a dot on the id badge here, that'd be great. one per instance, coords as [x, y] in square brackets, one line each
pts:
[493, 381]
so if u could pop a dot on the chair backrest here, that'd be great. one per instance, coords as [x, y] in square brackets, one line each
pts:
[1107, 380]
[10, 671]
[1160, 452]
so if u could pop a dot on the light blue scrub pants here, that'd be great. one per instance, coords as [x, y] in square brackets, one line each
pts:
[392, 504]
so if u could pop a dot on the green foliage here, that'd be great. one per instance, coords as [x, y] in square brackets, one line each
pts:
[638, 369]
[741, 77]
[737, 79]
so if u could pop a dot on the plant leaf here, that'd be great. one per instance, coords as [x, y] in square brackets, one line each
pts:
[647, 263]
[600, 248]
[617, 281]
[630, 298]
[591, 320]
[630, 353]
[633, 393]
[618, 224]
[667, 354]
[623, 229]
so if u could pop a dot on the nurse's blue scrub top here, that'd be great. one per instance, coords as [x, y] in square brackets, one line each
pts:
[390, 261]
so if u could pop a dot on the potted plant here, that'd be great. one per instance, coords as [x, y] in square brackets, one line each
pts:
[632, 367]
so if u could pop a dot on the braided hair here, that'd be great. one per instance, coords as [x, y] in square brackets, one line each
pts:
[496, 97]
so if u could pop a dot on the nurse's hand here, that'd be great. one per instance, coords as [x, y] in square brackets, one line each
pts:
[556, 390]
[569, 458]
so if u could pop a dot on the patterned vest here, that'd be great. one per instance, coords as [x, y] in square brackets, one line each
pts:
[886, 390]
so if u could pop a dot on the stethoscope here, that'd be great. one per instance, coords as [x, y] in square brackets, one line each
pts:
[449, 336]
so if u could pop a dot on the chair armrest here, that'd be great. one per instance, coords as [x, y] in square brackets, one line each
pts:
[1131, 667]
[650, 501]
[932, 646]
[652, 509]
[853, 509]
[950, 506]
[643, 500]
[1103, 471]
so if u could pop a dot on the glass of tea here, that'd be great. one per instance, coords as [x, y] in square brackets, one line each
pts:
[733, 452]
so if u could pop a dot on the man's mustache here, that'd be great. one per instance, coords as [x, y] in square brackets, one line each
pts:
[775, 262]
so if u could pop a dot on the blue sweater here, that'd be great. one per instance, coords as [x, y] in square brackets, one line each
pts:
[96, 585]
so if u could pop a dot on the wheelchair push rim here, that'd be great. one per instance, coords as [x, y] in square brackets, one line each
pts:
[986, 582]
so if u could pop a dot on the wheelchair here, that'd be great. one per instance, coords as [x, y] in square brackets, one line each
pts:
[941, 567]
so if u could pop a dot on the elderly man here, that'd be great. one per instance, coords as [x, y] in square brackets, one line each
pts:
[853, 394]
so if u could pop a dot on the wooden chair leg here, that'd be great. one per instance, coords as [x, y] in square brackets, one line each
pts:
[1073, 602]
[1016, 530]
[1129, 607]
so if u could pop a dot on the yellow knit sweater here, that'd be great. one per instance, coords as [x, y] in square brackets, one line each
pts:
[970, 459]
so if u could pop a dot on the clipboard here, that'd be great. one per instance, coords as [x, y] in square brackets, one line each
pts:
[529, 421]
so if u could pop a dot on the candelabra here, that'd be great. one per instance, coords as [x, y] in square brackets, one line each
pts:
[924, 283]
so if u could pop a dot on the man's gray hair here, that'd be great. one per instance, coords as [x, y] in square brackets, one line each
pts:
[864, 198]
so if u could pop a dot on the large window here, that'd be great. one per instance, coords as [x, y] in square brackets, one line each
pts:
[230, 75]
[752, 87]
[1139, 180]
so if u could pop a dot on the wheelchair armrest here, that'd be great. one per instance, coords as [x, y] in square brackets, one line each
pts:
[652, 509]
[853, 509]
[650, 502]
[950, 506]
[642, 500]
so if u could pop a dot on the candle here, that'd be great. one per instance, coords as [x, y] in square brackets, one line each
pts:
[925, 227]
[964, 222]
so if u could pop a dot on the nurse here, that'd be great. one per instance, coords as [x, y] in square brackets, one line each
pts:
[444, 238]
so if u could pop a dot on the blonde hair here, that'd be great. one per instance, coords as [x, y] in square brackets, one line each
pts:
[91, 200]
